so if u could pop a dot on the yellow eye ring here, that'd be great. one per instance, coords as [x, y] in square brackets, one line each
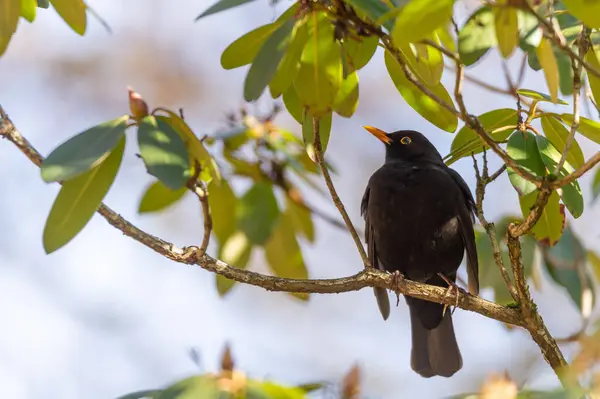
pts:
[405, 140]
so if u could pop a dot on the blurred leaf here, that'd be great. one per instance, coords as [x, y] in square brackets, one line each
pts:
[547, 61]
[236, 251]
[163, 152]
[594, 259]
[9, 19]
[585, 10]
[346, 98]
[550, 226]
[359, 53]
[507, 28]
[571, 193]
[308, 134]
[557, 133]
[152, 393]
[222, 203]
[158, 197]
[541, 97]
[28, 10]
[78, 199]
[565, 72]
[530, 33]
[446, 38]
[84, 151]
[267, 60]
[257, 212]
[467, 141]
[311, 386]
[477, 36]
[425, 106]
[596, 185]
[43, 3]
[292, 104]
[425, 61]
[289, 65]
[587, 127]
[591, 57]
[498, 386]
[301, 219]
[73, 12]
[420, 18]
[270, 390]
[222, 5]
[192, 388]
[374, 9]
[283, 253]
[244, 49]
[523, 149]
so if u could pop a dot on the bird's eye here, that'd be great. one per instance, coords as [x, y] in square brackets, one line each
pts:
[405, 140]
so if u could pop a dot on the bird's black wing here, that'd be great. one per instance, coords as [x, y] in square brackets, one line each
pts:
[381, 294]
[466, 220]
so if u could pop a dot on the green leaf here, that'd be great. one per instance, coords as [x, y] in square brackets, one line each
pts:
[591, 57]
[359, 53]
[43, 3]
[78, 199]
[151, 393]
[244, 49]
[467, 141]
[587, 127]
[84, 151]
[73, 12]
[289, 65]
[270, 390]
[28, 9]
[477, 36]
[257, 212]
[419, 18]
[550, 226]
[222, 5]
[222, 203]
[425, 106]
[267, 60]
[283, 253]
[571, 193]
[585, 10]
[522, 147]
[308, 133]
[292, 104]
[236, 251]
[541, 97]
[596, 185]
[565, 72]
[557, 133]
[163, 152]
[374, 9]
[507, 29]
[301, 219]
[158, 197]
[547, 60]
[192, 388]
[346, 98]
[425, 61]
[530, 33]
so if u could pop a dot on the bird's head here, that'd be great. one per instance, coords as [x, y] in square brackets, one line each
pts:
[406, 145]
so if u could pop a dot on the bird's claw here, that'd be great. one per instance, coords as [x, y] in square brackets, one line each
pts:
[397, 280]
[451, 286]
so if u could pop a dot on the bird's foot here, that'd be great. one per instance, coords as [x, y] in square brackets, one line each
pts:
[397, 282]
[451, 286]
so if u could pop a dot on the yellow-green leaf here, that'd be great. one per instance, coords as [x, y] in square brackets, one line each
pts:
[587, 11]
[73, 12]
[522, 147]
[557, 133]
[28, 9]
[591, 57]
[477, 36]
[549, 227]
[243, 50]
[308, 133]
[158, 197]
[425, 61]
[507, 29]
[359, 53]
[283, 253]
[587, 127]
[222, 203]
[236, 251]
[78, 199]
[289, 65]
[9, 19]
[292, 104]
[419, 18]
[536, 95]
[420, 102]
[301, 219]
[257, 212]
[594, 259]
[222, 5]
[346, 99]
[548, 63]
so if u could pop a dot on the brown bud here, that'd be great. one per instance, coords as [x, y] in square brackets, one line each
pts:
[351, 384]
[226, 360]
[137, 105]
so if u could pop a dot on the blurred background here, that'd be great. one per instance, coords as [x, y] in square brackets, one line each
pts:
[104, 316]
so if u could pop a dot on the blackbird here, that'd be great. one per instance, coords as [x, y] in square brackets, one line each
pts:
[419, 217]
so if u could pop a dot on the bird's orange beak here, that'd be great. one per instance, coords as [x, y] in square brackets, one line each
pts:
[380, 134]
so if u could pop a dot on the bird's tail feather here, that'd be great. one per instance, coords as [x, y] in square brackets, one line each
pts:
[434, 352]
[383, 301]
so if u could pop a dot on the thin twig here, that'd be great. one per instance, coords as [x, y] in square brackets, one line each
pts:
[595, 159]
[334, 196]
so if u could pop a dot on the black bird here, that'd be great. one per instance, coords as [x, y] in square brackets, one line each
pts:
[419, 221]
